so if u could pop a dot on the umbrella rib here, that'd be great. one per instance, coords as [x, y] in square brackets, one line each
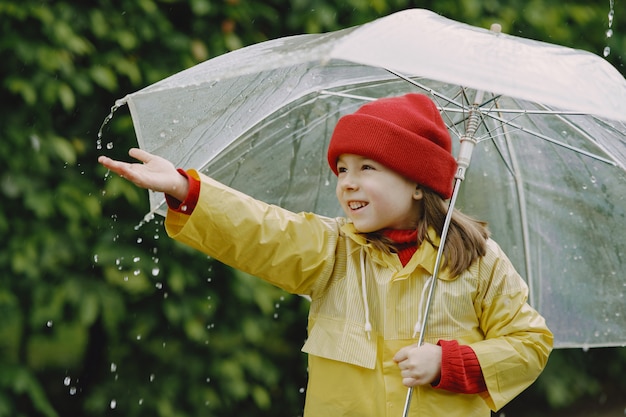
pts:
[553, 141]
[521, 196]
[545, 112]
[346, 95]
[423, 87]
[589, 138]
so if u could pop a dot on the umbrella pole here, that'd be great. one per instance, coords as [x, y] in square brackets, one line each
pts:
[468, 142]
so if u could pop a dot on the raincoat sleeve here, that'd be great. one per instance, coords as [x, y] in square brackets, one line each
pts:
[517, 341]
[292, 251]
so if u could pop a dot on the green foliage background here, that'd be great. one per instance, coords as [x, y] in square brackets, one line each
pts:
[100, 317]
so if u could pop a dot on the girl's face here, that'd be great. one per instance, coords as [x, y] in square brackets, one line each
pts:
[375, 197]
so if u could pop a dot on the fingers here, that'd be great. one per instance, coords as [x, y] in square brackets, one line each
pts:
[112, 164]
[140, 155]
[419, 365]
[121, 168]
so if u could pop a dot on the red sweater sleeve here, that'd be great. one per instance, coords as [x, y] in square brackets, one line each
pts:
[460, 369]
[191, 200]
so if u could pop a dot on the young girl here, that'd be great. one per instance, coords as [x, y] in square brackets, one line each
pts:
[368, 274]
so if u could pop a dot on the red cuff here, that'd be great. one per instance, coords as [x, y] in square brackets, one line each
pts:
[460, 369]
[191, 200]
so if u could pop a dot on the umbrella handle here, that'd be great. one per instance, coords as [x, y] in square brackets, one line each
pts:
[465, 155]
[431, 292]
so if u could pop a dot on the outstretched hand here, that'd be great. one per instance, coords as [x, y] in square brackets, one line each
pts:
[154, 173]
[419, 365]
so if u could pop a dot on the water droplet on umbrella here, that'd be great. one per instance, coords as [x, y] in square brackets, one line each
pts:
[113, 404]
[67, 381]
[155, 272]
[607, 51]
[113, 367]
[49, 323]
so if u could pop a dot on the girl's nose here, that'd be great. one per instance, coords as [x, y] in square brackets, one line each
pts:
[348, 182]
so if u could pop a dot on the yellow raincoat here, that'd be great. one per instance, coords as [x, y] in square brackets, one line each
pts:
[351, 371]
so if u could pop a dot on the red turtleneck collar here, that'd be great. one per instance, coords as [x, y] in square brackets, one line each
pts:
[406, 243]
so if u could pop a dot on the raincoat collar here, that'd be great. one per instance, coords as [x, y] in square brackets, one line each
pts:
[423, 258]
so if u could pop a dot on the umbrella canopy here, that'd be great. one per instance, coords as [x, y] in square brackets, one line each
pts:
[548, 173]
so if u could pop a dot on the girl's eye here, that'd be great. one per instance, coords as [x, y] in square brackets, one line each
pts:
[367, 167]
[341, 169]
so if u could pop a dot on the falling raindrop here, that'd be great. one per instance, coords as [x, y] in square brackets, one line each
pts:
[609, 31]
[113, 367]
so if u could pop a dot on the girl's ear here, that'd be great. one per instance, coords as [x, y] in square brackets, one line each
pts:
[418, 194]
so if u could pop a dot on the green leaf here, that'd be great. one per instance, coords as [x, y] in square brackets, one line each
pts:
[63, 149]
[104, 77]
[66, 97]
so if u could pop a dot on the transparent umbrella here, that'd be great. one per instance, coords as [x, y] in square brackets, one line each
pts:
[547, 122]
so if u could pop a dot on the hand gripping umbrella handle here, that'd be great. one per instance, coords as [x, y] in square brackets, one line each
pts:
[468, 142]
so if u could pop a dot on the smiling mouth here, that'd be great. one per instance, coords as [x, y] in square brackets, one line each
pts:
[355, 205]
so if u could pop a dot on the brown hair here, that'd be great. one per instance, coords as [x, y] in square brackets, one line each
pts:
[466, 240]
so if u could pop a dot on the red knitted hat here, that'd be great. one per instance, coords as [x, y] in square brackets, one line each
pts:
[406, 134]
